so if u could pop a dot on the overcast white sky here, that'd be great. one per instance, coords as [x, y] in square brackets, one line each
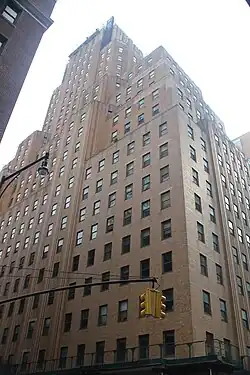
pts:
[208, 38]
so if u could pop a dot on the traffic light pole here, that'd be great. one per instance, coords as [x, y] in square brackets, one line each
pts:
[152, 280]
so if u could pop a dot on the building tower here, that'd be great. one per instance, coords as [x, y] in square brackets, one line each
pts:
[22, 24]
[143, 182]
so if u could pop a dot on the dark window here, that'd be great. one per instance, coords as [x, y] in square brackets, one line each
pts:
[46, 326]
[84, 319]
[128, 194]
[75, 263]
[124, 273]
[127, 216]
[169, 294]
[107, 251]
[55, 269]
[51, 297]
[63, 357]
[30, 331]
[5, 336]
[192, 153]
[219, 274]
[197, 201]
[165, 200]
[3, 41]
[245, 319]
[121, 349]
[103, 315]
[21, 306]
[16, 333]
[91, 258]
[190, 132]
[143, 346]
[206, 302]
[240, 286]
[40, 275]
[145, 183]
[99, 352]
[41, 359]
[110, 224]
[169, 343]
[71, 292]
[145, 237]
[195, 176]
[10, 11]
[209, 343]
[126, 241]
[146, 160]
[35, 302]
[145, 208]
[87, 288]
[212, 214]
[164, 174]
[200, 232]
[123, 311]
[80, 354]
[144, 268]
[203, 265]
[163, 150]
[105, 277]
[16, 285]
[31, 259]
[209, 189]
[205, 165]
[216, 245]
[244, 261]
[166, 229]
[167, 265]
[235, 255]
[223, 310]
[11, 309]
[25, 359]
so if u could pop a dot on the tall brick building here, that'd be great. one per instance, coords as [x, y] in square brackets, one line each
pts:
[143, 181]
[22, 24]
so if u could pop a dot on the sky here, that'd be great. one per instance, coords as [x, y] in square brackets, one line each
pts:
[209, 39]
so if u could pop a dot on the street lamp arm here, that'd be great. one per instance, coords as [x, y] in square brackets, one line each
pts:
[16, 173]
[8, 184]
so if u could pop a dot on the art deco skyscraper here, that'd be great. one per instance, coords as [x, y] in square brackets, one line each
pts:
[143, 182]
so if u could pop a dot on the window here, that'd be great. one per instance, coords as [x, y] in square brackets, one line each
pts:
[124, 273]
[212, 214]
[192, 153]
[169, 343]
[16, 333]
[112, 200]
[166, 229]
[126, 242]
[3, 41]
[127, 127]
[244, 319]
[59, 245]
[146, 182]
[232, 190]
[203, 265]
[145, 208]
[10, 12]
[87, 288]
[130, 148]
[231, 227]
[146, 139]
[240, 235]
[98, 188]
[128, 194]
[146, 160]
[129, 169]
[79, 237]
[35, 302]
[197, 202]
[84, 319]
[93, 231]
[140, 103]
[165, 200]
[45, 198]
[240, 196]
[61, 171]
[115, 157]
[123, 311]
[206, 302]
[110, 224]
[74, 162]
[107, 253]
[167, 265]
[190, 132]
[143, 346]
[215, 240]
[155, 94]
[195, 177]
[145, 237]
[16, 285]
[88, 173]
[67, 322]
[105, 278]
[26, 282]
[63, 357]
[46, 326]
[244, 261]
[200, 232]
[82, 214]
[244, 218]
[5, 336]
[53, 209]
[144, 268]
[99, 352]
[91, 258]
[139, 82]
[219, 274]
[49, 230]
[70, 182]
[96, 207]
[64, 222]
[155, 109]
[51, 297]
[163, 129]
[163, 150]
[103, 315]
[58, 189]
[101, 165]
[127, 112]
[75, 263]
[203, 145]
[205, 165]
[240, 285]
[223, 310]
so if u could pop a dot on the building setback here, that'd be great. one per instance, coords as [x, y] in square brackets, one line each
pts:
[143, 182]
[22, 24]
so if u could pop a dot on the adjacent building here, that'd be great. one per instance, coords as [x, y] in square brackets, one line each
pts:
[22, 24]
[143, 181]
[243, 143]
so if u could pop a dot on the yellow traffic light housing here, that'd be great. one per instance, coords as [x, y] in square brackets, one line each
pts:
[160, 305]
[145, 303]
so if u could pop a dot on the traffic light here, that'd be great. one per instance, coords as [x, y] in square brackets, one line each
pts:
[145, 303]
[160, 305]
